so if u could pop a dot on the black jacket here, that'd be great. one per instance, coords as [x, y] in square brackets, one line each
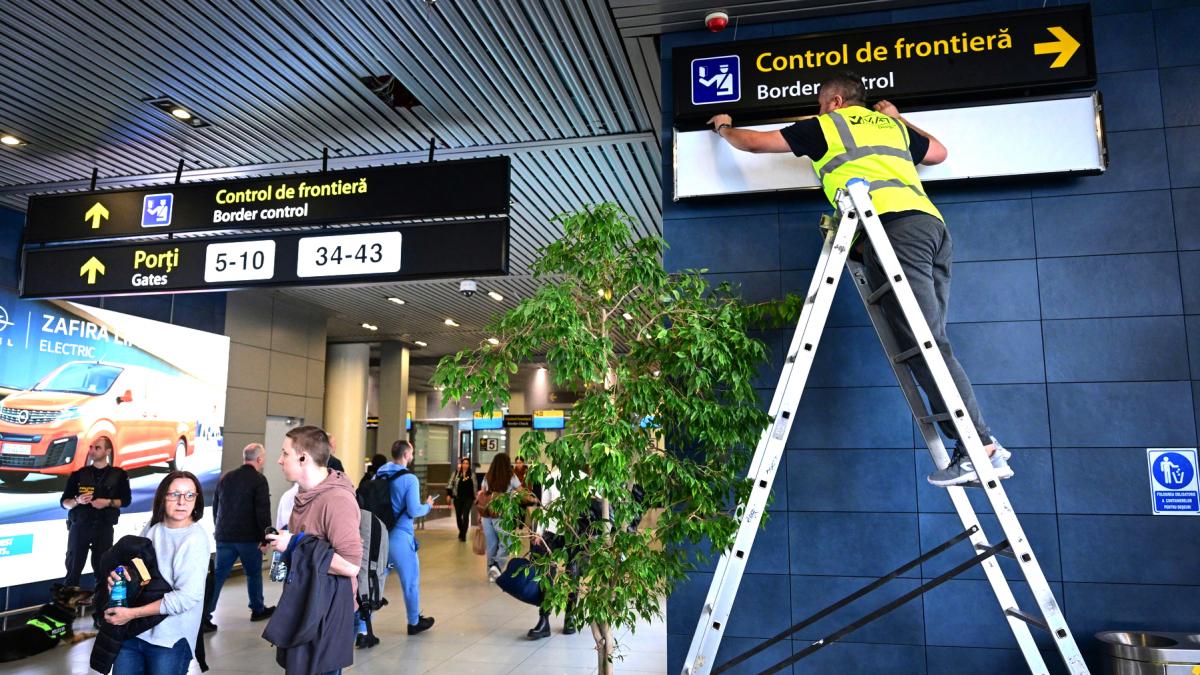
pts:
[108, 641]
[242, 505]
[313, 627]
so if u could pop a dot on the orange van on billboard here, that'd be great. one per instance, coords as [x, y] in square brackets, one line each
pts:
[47, 428]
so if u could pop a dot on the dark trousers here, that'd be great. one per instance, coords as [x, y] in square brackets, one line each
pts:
[923, 247]
[83, 537]
[462, 514]
[229, 552]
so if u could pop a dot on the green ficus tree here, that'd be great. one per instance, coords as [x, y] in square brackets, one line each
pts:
[665, 367]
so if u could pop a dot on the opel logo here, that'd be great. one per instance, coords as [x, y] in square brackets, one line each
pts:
[22, 417]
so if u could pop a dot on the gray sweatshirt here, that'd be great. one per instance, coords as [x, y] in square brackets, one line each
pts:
[183, 562]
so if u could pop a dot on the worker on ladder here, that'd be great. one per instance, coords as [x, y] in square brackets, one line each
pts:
[849, 140]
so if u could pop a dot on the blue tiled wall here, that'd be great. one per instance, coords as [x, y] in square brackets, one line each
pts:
[1076, 311]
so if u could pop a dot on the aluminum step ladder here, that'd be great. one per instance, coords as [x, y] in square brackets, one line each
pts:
[858, 215]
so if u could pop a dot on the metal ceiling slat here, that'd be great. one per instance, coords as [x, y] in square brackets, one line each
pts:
[613, 184]
[326, 109]
[439, 52]
[247, 99]
[636, 181]
[593, 60]
[53, 62]
[501, 104]
[582, 189]
[422, 82]
[538, 113]
[558, 60]
[502, 15]
[188, 90]
[622, 62]
[57, 128]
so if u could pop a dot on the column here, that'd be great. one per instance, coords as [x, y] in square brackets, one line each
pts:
[393, 396]
[346, 371]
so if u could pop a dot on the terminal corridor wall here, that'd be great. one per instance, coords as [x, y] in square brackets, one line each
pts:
[1075, 310]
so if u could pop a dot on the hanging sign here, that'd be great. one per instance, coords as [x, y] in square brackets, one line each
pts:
[960, 58]
[315, 258]
[388, 193]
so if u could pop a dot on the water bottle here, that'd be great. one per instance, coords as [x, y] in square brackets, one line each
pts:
[118, 596]
[278, 564]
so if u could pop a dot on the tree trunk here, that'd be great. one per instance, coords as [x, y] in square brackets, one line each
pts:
[602, 633]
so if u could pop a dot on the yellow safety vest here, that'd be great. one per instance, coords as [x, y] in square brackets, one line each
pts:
[870, 145]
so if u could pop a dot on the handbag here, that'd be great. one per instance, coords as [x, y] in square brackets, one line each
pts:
[519, 581]
[483, 501]
[478, 544]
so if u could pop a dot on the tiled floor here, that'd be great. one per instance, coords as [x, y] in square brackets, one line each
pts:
[479, 630]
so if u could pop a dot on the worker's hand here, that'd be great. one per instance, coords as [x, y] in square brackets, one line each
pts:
[280, 541]
[430, 500]
[112, 578]
[718, 120]
[84, 499]
[887, 108]
[100, 503]
[118, 616]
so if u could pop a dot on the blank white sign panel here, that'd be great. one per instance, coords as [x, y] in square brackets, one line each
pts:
[1011, 139]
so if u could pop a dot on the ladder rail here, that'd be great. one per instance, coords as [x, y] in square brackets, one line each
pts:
[857, 197]
[958, 495]
[797, 365]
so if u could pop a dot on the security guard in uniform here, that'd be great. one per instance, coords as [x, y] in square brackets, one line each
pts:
[849, 140]
[94, 496]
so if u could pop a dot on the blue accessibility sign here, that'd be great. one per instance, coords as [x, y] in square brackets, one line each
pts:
[156, 210]
[717, 79]
[1173, 483]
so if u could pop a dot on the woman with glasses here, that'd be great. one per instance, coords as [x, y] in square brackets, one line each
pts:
[181, 546]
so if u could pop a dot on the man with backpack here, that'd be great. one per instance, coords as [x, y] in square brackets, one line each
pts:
[397, 507]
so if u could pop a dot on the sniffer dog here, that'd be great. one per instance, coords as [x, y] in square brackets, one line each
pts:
[49, 625]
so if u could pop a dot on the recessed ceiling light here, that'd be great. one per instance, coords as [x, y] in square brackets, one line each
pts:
[9, 139]
[495, 296]
[177, 112]
[452, 323]
[398, 301]
[493, 341]
[370, 327]
[420, 343]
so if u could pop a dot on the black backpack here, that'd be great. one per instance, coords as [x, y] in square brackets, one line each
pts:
[375, 496]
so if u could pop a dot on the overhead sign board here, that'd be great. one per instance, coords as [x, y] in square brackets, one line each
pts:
[318, 257]
[406, 191]
[967, 57]
[518, 421]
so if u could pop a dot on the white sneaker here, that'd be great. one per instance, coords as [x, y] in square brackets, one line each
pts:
[493, 573]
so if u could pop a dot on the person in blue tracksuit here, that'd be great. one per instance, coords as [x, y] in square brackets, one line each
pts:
[402, 544]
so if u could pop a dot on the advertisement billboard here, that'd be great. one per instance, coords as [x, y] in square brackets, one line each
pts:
[71, 374]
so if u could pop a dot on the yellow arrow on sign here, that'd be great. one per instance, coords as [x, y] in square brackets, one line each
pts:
[1065, 46]
[95, 214]
[91, 268]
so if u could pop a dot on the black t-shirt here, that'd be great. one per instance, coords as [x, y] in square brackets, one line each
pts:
[107, 483]
[806, 139]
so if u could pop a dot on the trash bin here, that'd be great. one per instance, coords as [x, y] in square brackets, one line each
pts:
[1144, 653]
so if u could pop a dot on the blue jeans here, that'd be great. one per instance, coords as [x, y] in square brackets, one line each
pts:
[138, 657]
[251, 557]
[496, 553]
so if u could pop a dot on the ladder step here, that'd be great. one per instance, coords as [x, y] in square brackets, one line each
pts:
[906, 355]
[1027, 618]
[878, 293]
[940, 417]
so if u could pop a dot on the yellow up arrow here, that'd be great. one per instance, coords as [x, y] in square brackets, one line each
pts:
[1065, 47]
[91, 268]
[95, 214]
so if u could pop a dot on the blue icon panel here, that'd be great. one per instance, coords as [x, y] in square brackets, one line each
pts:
[717, 79]
[156, 210]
